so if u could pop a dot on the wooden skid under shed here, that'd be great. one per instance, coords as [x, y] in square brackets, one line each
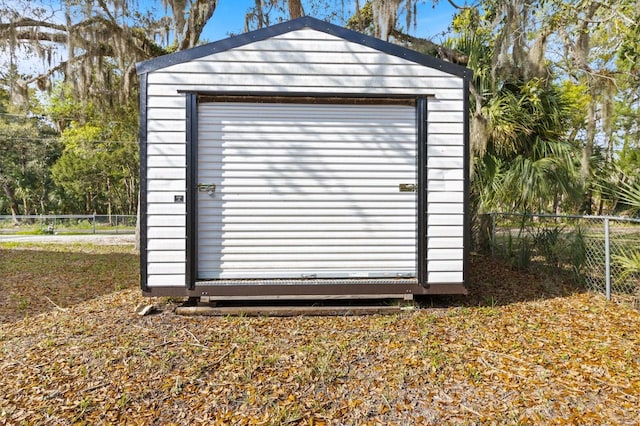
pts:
[289, 311]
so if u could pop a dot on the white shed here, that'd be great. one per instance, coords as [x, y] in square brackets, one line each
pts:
[303, 160]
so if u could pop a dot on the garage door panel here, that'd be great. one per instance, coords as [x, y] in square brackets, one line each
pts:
[306, 190]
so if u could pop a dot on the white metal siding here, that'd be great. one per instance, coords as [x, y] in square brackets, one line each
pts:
[300, 61]
[306, 190]
[166, 178]
[306, 61]
[445, 199]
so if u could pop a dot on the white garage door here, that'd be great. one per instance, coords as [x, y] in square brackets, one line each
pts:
[306, 191]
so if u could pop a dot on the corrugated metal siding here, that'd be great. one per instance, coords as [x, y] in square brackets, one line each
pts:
[306, 190]
[305, 61]
[272, 65]
[166, 178]
[445, 200]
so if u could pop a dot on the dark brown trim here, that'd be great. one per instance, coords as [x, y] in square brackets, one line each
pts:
[292, 291]
[192, 194]
[422, 194]
[466, 259]
[306, 98]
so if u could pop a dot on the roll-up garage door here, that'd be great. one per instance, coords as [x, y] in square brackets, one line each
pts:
[291, 190]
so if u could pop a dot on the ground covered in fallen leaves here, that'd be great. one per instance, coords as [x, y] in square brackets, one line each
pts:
[521, 349]
[36, 278]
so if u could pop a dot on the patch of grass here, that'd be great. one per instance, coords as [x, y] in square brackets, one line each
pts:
[32, 232]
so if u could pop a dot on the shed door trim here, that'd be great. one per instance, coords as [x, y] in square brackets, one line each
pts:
[302, 99]
[192, 195]
[192, 100]
[421, 240]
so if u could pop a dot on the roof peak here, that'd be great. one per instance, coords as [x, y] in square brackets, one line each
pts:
[294, 25]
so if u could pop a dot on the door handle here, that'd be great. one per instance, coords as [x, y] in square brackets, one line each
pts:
[407, 187]
[209, 188]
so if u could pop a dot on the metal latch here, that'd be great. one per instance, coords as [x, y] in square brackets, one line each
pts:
[407, 187]
[209, 188]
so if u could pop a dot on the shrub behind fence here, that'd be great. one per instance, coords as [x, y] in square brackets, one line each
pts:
[603, 253]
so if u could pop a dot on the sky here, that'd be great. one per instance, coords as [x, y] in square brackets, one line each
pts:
[228, 18]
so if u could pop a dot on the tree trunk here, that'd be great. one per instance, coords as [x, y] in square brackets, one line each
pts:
[600, 206]
[430, 48]
[295, 9]
[87, 202]
[585, 161]
[13, 203]
[26, 208]
[587, 150]
[43, 197]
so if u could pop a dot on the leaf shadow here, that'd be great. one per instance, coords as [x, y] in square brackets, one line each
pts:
[493, 282]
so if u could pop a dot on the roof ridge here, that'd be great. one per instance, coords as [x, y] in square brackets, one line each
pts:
[294, 25]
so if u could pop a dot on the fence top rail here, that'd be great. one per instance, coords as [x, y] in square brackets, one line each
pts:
[569, 216]
[48, 216]
[59, 216]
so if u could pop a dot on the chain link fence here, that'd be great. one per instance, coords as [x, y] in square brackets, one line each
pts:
[602, 253]
[67, 224]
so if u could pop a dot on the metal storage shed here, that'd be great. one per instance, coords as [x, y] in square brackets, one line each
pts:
[303, 160]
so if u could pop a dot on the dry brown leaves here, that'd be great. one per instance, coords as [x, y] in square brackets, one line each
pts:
[556, 360]
[36, 278]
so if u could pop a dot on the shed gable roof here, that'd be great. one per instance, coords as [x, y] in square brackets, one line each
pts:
[297, 24]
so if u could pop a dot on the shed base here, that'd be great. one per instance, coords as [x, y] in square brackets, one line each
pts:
[287, 311]
[406, 297]
[308, 289]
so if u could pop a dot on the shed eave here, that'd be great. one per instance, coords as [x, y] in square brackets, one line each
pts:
[294, 25]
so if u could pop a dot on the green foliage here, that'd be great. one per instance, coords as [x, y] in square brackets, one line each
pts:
[90, 166]
[545, 129]
[362, 20]
[629, 159]
[576, 98]
[97, 170]
[578, 254]
[28, 148]
[518, 252]
[629, 264]
[531, 242]
[629, 194]
[549, 242]
[528, 165]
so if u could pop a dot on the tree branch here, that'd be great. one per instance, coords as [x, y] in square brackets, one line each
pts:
[40, 36]
[432, 48]
[199, 14]
[28, 22]
[458, 7]
[61, 66]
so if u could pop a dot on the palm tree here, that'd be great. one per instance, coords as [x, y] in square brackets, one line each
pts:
[522, 159]
[525, 126]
